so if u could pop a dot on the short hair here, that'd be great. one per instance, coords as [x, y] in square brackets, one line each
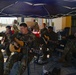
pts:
[50, 27]
[9, 27]
[34, 20]
[44, 24]
[23, 24]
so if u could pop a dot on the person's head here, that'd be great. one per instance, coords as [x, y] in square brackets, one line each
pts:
[15, 22]
[50, 28]
[44, 25]
[23, 28]
[34, 20]
[8, 29]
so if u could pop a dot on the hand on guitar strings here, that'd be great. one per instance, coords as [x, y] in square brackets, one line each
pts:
[15, 44]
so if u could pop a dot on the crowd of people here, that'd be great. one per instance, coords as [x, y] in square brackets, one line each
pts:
[22, 40]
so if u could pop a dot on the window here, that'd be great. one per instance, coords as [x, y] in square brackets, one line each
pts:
[7, 20]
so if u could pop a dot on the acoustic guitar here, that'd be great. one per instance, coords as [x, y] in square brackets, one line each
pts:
[16, 45]
[48, 39]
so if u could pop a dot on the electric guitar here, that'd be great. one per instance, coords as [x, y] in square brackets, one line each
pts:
[16, 45]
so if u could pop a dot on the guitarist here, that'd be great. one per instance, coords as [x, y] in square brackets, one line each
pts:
[53, 37]
[6, 40]
[50, 38]
[29, 41]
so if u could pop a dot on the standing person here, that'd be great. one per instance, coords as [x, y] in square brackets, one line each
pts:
[43, 30]
[36, 26]
[28, 41]
[15, 27]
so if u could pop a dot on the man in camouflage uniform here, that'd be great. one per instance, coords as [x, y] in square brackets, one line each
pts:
[36, 26]
[15, 26]
[44, 30]
[43, 41]
[1, 63]
[29, 40]
[69, 51]
[5, 39]
[53, 37]
[50, 38]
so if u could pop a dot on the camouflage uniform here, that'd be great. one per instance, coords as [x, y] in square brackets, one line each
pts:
[52, 37]
[43, 31]
[30, 42]
[4, 46]
[6, 42]
[36, 26]
[69, 50]
[43, 41]
[1, 63]
[15, 28]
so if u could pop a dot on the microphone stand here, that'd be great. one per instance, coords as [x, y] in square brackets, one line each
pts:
[27, 58]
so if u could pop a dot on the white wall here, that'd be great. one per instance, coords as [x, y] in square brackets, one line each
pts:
[27, 19]
[57, 23]
[19, 19]
[40, 23]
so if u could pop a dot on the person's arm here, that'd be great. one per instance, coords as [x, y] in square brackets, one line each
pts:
[34, 41]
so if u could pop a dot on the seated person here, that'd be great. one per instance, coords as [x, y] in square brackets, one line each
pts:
[65, 31]
[22, 42]
[69, 50]
[43, 41]
[6, 40]
[53, 39]
[50, 38]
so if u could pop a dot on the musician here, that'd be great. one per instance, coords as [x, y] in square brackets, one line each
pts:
[53, 39]
[29, 41]
[53, 36]
[50, 38]
[69, 51]
[43, 32]
[6, 40]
